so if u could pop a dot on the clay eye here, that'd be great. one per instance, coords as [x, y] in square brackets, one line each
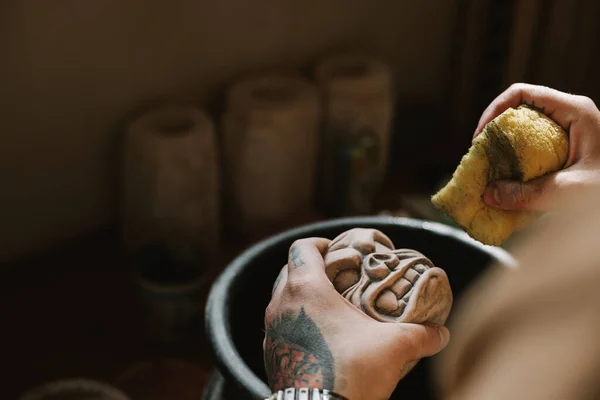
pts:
[388, 259]
[377, 266]
[404, 254]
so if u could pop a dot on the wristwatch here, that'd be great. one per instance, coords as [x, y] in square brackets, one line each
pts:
[305, 394]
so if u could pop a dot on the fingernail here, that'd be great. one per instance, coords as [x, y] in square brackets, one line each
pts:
[491, 195]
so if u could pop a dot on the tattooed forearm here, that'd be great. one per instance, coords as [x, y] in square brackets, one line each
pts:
[296, 257]
[296, 355]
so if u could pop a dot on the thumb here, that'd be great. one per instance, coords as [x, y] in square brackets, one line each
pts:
[520, 196]
[411, 342]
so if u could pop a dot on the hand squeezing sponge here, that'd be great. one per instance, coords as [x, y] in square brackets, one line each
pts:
[520, 144]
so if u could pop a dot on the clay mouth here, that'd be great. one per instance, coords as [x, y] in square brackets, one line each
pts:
[393, 299]
[395, 295]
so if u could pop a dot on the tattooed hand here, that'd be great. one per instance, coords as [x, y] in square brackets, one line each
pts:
[315, 338]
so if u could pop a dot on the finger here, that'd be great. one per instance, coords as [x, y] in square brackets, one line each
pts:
[416, 341]
[276, 294]
[306, 257]
[561, 107]
[517, 196]
[538, 195]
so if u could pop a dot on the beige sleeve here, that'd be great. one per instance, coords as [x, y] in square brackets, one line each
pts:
[533, 333]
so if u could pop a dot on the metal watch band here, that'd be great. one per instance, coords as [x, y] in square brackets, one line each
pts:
[305, 394]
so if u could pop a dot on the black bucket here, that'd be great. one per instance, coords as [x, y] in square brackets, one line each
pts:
[239, 297]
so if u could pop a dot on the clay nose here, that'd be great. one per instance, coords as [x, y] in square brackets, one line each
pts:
[364, 245]
[378, 265]
[390, 260]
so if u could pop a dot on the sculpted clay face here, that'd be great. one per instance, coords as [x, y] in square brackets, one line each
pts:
[387, 284]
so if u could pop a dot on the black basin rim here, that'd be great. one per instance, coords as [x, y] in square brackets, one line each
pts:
[214, 386]
[217, 325]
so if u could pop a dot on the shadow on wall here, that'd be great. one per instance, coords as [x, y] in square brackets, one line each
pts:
[76, 68]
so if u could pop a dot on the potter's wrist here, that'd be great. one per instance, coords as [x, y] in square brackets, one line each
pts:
[298, 393]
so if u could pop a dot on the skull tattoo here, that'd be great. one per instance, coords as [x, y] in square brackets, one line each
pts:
[387, 284]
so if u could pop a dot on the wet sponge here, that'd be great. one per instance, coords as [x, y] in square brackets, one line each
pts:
[519, 144]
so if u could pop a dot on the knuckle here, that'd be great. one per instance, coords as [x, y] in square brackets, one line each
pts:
[586, 102]
[295, 247]
[297, 243]
[300, 244]
[270, 313]
[519, 194]
[530, 193]
[516, 86]
[523, 194]
[513, 192]
[587, 107]
[300, 286]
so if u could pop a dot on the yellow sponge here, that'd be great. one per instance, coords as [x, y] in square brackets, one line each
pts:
[520, 144]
